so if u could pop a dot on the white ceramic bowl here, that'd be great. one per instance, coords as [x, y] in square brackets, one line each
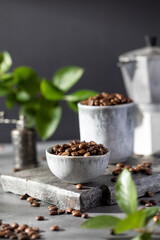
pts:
[77, 169]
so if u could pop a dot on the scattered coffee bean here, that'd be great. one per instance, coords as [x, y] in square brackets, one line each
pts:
[60, 211]
[127, 166]
[77, 148]
[53, 213]
[131, 170]
[84, 215]
[143, 201]
[35, 236]
[69, 210]
[15, 225]
[121, 165]
[31, 233]
[54, 228]
[147, 164]
[28, 229]
[148, 204]
[76, 213]
[36, 229]
[79, 186]
[15, 169]
[23, 197]
[153, 201]
[148, 172]
[35, 204]
[149, 193]
[114, 179]
[112, 232]
[52, 208]
[142, 208]
[29, 199]
[155, 218]
[39, 218]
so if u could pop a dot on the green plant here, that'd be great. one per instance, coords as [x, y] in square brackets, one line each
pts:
[39, 98]
[138, 220]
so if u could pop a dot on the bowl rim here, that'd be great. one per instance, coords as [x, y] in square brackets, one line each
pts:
[79, 157]
[124, 105]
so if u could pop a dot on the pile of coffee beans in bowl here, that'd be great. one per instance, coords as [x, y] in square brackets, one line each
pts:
[77, 148]
[106, 99]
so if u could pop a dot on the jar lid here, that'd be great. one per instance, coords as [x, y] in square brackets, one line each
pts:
[150, 51]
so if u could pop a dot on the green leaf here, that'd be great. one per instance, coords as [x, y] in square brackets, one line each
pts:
[5, 62]
[149, 214]
[3, 91]
[101, 222]
[47, 120]
[143, 236]
[126, 194]
[50, 92]
[66, 77]
[132, 221]
[7, 80]
[22, 97]
[73, 106]
[28, 80]
[10, 100]
[80, 95]
[29, 110]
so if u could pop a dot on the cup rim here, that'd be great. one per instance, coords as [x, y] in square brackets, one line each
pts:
[79, 157]
[125, 105]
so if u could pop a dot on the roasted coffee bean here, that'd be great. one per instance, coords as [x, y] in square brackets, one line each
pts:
[2, 233]
[76, 213]
[149, 193]
[53, 213]
[53, 208]
[20, 228]
[31, 233]
[28, 229]
[116, 172]
[127, 166]
[131, 170]
[88, 154]
[35, 204]
[83, 145]
[54, 228]
[23, 237]
[82, 151]
[147, 164]
[23, 197]
[112, 232]
[29, 199]
[153, 201]
[84, 215]
[148, 172]
[114, 179]
[35, 236]
[65, 153]
[143, 201]
[79, 186]
[148, 204]
[69, 210]
[60, 211]
[156, 218]
[142, 208]
[137, 169]
[13, 236]
[36, 229]
[39, 218]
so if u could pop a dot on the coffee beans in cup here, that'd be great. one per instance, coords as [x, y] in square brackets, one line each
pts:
[106, 99]
[77, 148]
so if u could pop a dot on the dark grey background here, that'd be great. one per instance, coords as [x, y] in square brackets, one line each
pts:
[48, 34]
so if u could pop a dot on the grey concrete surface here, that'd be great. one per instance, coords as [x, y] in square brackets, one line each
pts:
[14, 210]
